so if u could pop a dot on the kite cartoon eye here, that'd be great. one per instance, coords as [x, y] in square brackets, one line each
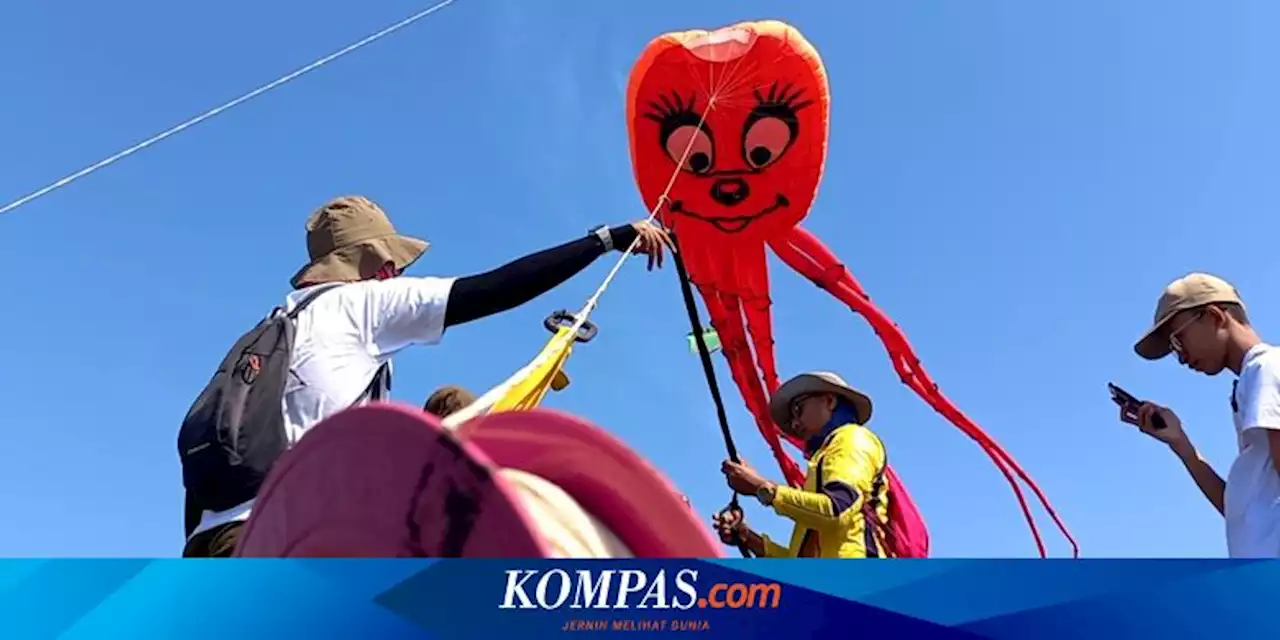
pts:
[682, 133]
[772, 125]
[694, 144]
[765, 141]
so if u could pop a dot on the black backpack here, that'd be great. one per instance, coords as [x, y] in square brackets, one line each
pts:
[235, 430]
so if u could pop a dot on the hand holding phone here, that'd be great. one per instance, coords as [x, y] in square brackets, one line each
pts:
[1129, 404]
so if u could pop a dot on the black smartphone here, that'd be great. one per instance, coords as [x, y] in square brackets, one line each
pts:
[1129, 403]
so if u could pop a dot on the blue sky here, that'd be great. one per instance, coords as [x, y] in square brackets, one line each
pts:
[1013, 182]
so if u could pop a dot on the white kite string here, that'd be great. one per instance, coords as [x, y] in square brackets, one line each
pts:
[485, 402]
[219, 109]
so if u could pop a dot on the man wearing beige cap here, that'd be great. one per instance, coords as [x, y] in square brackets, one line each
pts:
[352, 312]
[1202, 319]
[842, 509]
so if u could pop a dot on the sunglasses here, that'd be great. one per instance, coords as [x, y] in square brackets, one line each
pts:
[1174, 342]
[797, 405]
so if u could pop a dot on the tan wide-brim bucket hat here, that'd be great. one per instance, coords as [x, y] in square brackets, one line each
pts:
[1188, 292]
[350, 238]
[817, 382]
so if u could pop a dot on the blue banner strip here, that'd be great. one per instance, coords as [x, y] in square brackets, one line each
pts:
[1043, 599]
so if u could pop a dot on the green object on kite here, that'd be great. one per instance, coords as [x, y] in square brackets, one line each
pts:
[709, 336]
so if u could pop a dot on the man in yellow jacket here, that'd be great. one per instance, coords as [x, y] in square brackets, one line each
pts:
[841, 512]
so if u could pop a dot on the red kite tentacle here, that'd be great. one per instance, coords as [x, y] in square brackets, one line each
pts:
[806, 254]
[834, 278]
[726, 317]
[749, 280]
[760, 326]
[929, 391]
[998, 456]
[932, 393]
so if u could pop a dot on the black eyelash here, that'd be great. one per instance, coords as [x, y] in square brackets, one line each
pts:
[673, 113]
[784, 98]
[672, 107]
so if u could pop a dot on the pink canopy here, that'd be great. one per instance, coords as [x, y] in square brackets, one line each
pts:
[387, 480]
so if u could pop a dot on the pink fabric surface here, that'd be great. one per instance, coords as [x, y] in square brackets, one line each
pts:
[605, 476]
[386, 481]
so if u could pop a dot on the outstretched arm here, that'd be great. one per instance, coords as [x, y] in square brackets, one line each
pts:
[522, 280]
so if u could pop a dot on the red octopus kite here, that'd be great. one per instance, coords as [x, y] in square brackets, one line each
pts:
[728, 134]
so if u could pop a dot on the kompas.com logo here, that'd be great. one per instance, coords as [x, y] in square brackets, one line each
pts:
[630, 589]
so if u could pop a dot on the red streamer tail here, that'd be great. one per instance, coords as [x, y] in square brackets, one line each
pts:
[806, 254]
[726, 317]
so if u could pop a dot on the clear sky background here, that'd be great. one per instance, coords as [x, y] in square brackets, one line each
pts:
[1013, 183]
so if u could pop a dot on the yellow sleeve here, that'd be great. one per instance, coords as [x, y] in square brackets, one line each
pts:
[848, 467]
[773, 549]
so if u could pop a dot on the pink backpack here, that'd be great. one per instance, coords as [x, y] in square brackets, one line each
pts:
[907, 536]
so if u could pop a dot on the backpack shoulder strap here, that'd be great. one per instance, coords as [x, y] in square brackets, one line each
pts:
[871, 510]
[381, 383]
[306, 301]
[380, 386]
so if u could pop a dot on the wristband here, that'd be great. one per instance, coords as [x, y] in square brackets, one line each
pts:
[602, 232]
[766, 494]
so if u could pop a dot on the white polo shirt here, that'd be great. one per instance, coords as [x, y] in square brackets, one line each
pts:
[343, 337]
[1252, 501]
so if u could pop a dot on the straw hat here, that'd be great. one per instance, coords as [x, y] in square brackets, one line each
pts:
[349, 239]
[817, 382]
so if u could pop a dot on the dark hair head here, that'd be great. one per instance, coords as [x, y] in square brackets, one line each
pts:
[448, 399]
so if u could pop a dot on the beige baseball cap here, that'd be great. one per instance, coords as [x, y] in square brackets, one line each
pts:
[1188, 292]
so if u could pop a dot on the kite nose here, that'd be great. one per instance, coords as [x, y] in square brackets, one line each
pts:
[730, 191]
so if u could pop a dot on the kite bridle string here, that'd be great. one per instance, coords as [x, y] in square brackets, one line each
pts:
[713, 94]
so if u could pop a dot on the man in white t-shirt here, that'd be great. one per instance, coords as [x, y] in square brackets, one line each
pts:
[359, 314]
[1202, 319]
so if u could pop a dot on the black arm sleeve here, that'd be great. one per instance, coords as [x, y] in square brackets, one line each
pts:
[520, 281]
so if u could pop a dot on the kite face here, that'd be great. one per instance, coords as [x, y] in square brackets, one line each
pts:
[752, 167]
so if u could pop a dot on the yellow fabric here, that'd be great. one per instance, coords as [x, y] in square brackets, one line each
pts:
[853, 455]
[568, 530]
[529, 391]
